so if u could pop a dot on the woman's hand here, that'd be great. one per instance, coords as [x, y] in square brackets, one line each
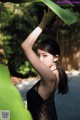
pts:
[46, 18]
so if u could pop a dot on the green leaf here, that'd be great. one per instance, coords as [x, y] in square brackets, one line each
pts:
[10, 98]
[66, 15]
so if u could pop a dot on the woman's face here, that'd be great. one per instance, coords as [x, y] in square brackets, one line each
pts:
[45, 57]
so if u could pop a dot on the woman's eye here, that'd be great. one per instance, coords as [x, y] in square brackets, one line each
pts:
[44, 55]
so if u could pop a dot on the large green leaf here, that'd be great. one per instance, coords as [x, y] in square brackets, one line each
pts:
[10, 98]
[66, 15]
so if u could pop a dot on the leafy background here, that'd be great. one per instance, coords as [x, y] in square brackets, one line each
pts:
[18, 20]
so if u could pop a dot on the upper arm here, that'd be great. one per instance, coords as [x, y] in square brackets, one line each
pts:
[45, 73]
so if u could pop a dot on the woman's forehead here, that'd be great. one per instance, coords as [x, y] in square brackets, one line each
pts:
[41, 51]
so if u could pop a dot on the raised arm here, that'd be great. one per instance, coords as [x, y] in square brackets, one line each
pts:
[27, 46]
[31, 39]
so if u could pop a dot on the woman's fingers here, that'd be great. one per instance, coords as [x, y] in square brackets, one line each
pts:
[48, 13]
[49, 10]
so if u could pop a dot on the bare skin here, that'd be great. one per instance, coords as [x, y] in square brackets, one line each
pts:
[45, 69]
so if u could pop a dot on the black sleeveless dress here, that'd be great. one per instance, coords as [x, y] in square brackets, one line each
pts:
[41, 109]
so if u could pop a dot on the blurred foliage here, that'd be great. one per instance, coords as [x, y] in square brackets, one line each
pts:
[14, 30]
[10, 98]
[18, 20]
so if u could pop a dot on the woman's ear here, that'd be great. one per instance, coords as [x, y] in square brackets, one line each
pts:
[56, 57]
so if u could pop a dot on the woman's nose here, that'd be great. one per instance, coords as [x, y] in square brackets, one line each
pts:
[41, 58]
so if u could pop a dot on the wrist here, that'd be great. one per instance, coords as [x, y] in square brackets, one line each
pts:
[42, 26]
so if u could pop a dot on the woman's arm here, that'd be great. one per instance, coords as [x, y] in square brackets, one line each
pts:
[31, 39]
[27, 46]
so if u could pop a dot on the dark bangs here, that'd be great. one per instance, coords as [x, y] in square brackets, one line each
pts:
[49, 46]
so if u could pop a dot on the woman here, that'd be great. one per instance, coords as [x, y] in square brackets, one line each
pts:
[40, 97]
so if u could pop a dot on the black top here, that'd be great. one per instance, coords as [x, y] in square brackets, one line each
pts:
[41, 109]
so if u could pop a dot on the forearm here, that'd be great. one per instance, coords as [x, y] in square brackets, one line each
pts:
[31, 39]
